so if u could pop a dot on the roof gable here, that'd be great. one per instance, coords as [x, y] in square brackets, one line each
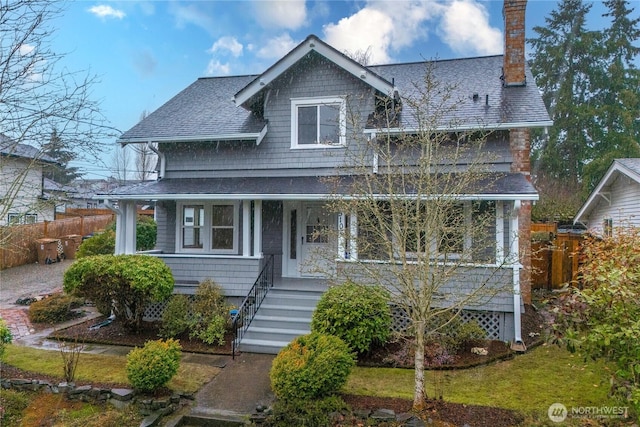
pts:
[312, 44]
[627, 167]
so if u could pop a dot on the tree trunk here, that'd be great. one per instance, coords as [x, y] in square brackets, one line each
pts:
[420, 394]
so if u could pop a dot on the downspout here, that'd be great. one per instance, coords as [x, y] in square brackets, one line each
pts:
[160, 156]
[518, 343]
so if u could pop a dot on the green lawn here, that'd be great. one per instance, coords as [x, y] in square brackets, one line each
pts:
[529, 382]
[102, 368]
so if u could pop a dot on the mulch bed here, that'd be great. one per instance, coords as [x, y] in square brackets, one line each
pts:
[441, 413]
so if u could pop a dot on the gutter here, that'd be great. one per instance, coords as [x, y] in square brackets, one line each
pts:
[162, 158]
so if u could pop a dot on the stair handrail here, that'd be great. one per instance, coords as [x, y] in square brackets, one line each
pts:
[246, 312]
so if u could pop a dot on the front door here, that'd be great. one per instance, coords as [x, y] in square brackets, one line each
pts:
[309, 251]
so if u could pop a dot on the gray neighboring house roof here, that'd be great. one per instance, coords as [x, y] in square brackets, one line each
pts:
[206, 111]
[628, 167]
[492, 186]
[11, 148]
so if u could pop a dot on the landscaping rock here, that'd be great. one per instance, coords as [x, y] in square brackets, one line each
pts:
[151, 420]
[122, 394]
[383, 415]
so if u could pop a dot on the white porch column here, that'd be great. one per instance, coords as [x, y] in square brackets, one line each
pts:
[246, 228]
[129, 211]
[257, 228]
[500, 257]
[353, 231]
[514, 258]
[342, 239]
[125, 226]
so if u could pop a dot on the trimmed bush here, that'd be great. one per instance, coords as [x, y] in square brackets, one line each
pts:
[54, 309]
[358, 314]
[131, 281]
[100, 244]
[5, 336]
[152, 366]
[176, 316]
[311, 367]
[210, 314]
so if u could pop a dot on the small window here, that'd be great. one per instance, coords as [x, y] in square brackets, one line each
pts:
[192, 223]
[13, 218]
[317, 122]
[222, 227]
[607, 227]
[30, 218]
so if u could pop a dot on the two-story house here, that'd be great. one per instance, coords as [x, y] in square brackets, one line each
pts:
[243, 162]
[22, 200]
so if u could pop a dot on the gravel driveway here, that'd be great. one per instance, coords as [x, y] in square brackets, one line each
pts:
[30, 280]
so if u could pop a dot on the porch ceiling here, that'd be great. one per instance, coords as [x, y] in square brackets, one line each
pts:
[493, 186]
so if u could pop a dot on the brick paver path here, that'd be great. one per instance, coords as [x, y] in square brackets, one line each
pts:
[18, 321]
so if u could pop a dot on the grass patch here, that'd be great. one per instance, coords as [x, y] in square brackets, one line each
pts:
[528, 383]
[100, 368]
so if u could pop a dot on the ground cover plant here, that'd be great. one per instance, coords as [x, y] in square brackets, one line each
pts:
[602, 319]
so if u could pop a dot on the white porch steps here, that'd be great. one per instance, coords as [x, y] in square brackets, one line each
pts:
[284, 315]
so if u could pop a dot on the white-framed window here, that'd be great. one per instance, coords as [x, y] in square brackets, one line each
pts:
[14, 218]
[210, 227]
[318, 122]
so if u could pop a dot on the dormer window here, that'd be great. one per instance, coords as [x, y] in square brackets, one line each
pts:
[318, 122]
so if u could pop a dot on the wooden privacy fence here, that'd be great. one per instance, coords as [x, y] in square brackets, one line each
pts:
[554, 256]
[18, 242]
[75, 212]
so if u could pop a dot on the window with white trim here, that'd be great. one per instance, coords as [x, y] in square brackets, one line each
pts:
[208, 227]
[318, 122]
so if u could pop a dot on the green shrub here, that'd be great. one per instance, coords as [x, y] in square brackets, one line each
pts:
[152, 366]
[146, 232]
[176, 317]
[210, 314]
[457, 332]
[5, 336]
[99, 244]
[131, 281]
[602, 320]
[358, 314]
[311, 367]
[54, 309]
[308, 413]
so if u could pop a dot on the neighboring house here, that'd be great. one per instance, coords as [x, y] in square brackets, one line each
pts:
[615, 202]
[241, 171]
[22, 199]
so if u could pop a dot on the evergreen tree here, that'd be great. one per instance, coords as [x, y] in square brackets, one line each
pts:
[59, 172]
[564, 59]
[617, 97]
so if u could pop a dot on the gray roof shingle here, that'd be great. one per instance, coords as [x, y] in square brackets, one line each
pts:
[11, 148]
[205, 109]
[492, 184]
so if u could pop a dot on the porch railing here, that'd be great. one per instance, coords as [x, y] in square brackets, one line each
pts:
[249, 307]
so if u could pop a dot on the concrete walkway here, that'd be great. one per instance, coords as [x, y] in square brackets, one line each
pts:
[234, 393]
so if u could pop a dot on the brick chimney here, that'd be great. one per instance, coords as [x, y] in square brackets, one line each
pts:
[513, 67]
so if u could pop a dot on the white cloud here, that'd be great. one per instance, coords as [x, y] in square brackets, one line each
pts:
[383, 28]
[465, 28]
[229, 44]
[104, 11]
[387, 27]
[216, 68]
[191, 14]
[277, 47]
[287, 14]
[25, 49]
[368, 28]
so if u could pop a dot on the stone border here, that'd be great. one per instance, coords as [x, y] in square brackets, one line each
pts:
[152, 408]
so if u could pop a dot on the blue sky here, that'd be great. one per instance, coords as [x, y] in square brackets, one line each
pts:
[145, 52]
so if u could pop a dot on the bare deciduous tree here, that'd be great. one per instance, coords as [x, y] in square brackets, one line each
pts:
[410, 220]
[39, 96]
